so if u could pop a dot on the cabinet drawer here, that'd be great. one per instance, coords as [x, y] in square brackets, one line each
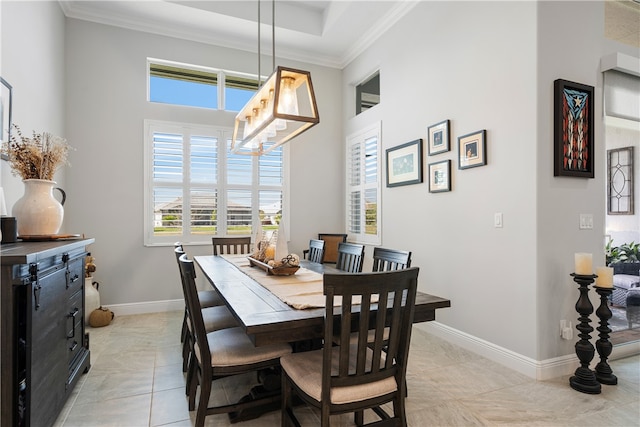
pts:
[75, 274]
[75, 317]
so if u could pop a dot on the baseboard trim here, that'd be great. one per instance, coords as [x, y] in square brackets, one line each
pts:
[539, 370]
[146, 307]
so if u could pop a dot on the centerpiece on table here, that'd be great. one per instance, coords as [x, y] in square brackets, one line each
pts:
[274, 257]
[36, 160]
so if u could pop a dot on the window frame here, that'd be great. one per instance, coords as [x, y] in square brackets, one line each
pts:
[359, 138]
[221, 81]
[223, 134]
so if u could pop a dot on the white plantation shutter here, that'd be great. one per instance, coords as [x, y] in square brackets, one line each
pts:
[364, 186]
[196, 189]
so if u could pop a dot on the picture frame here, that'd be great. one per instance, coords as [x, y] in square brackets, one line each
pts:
[620, 191]
[573, 129]
[440, 176]
[6, 99]
[472, 149]
[438, 138]
[404, 164]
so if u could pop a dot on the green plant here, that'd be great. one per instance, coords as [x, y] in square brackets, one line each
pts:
[627, 252]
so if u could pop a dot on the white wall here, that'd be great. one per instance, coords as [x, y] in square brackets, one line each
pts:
[483, 65]
[32, 49]
[106, 106]
[491, 65]
[471, 63]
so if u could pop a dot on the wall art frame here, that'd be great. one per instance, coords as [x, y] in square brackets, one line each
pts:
[404, 164]
[472, 149]
[573, 129]
[438, 138]
[6, 100]
[440, 176]
[620, 200]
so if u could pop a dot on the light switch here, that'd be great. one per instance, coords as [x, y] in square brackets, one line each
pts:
[586, 221]
[497, 220]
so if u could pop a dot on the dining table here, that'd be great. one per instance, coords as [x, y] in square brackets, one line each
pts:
[281, 309]
[265, 316]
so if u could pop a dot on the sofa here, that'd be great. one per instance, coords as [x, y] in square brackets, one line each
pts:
[626, 278]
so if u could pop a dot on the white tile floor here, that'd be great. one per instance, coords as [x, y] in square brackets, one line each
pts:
[136, 380]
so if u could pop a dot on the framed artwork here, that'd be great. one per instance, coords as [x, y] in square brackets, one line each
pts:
[440, 176]
[620, 181]
[5, 111]
[438, 137]
[573, 129]
[472, 150]
[404, 164]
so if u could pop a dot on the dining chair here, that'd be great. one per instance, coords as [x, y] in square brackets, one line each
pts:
[316, 250]
[221, 354]
[354, 375]
[390, 259]
[331, 241]
[208, 298]
[350, 257]
[215, 318]
[231, 245]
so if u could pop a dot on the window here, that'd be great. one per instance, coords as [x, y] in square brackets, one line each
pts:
[368, 93]
[195, 86]
[363, 186]
[195, 188]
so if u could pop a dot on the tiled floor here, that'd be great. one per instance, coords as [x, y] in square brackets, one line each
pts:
[136, 380]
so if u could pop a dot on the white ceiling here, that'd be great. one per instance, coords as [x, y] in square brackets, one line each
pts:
[325, 32]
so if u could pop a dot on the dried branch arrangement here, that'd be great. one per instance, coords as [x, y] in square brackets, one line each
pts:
[38, 157]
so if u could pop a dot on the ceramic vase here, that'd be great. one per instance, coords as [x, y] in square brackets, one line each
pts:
[37, 212]
[91, 298]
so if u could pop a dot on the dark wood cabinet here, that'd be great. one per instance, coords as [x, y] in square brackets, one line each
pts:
[44, 345]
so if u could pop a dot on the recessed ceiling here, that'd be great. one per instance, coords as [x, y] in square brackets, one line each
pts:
[325, 32]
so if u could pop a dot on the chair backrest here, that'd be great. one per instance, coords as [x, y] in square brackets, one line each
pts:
[316, 250]
[360, 360]
[194, 310]
[390, 259]
[331, 242]
[231, 245]
[350, 257]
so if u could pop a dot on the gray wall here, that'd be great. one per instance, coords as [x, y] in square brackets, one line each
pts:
[482, 65]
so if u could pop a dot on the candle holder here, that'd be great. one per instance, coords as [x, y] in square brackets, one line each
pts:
[604, 374]
[584, 379]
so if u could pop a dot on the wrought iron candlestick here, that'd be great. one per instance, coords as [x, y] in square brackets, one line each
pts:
[604, 374]
[584, 379]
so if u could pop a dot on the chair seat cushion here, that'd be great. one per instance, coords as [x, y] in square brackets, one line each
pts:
[232, 347]
[305, 369]
[626, 281]
[210, 298]
[216, 318]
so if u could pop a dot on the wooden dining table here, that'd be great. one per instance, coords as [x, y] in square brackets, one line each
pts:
[267, 319]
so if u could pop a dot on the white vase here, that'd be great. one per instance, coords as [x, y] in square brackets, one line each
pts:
[91, 298]
[37, 212]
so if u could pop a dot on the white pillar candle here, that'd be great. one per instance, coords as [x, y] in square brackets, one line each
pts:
[583, 264]
[605, 277]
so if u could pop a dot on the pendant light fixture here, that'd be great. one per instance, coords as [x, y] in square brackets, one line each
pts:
[282, 108]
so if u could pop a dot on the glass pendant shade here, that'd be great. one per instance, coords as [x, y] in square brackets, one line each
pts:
[283, 108]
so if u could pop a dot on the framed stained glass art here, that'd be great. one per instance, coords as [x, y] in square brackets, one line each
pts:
[573, 129]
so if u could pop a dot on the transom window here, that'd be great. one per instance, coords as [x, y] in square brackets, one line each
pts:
[197, 189]
[196, 86]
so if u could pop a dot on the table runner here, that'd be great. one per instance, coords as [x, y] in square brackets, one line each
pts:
[301, 290]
